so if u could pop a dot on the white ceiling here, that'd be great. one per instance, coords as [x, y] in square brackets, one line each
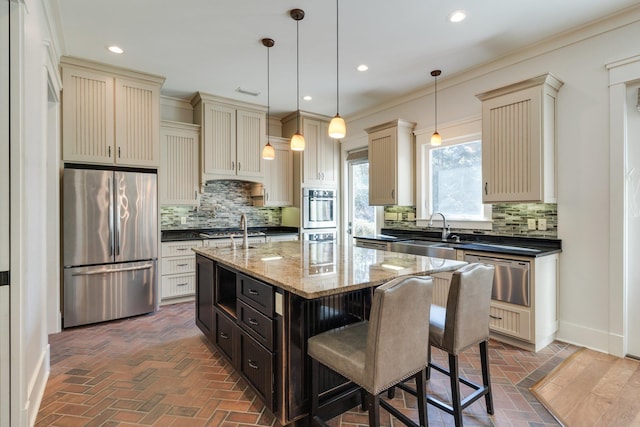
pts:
[214, 46]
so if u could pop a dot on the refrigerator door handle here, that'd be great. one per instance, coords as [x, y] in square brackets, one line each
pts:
[111, 244]
[110, 271]
[118, 196]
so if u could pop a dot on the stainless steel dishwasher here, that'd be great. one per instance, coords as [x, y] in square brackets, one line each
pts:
[512, 280]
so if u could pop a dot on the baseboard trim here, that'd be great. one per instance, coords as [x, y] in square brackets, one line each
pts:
[37, 386]
[594, 339]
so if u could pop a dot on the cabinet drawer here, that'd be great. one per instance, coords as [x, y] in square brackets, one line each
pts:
[256, 363]
[179, 248]
[256, 324]
[176, 265]
[178, 285]
[257, 294]
[226, 331]
[509, 319]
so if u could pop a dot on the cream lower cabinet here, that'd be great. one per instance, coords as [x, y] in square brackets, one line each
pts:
[178, 174]
[178, 269]
[278, 176]
[232, 137]
[109, 115]
[391, 164]
[519, 141]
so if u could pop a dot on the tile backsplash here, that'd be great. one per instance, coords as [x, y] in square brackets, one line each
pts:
[508, 219]
[221, 204]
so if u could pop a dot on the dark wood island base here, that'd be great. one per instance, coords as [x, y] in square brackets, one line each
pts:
[260, 305]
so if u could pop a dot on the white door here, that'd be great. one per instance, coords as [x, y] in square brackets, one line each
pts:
[362, 217]
[4, 213]
[633, 221]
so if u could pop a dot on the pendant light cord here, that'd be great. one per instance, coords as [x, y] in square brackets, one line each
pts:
[298, 72]
[436, 104]
[337, 61]
[268, 92]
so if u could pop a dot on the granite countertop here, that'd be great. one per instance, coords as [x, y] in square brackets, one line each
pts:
[208, 233]
[318, 269]
[507, 245]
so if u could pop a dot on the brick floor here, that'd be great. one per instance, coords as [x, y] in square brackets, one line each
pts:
[159, 370]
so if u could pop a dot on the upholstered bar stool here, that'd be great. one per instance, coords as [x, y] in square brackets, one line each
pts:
[379, 353]
[463, 323]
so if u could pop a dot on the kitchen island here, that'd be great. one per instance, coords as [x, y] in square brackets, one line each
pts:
[260, 305]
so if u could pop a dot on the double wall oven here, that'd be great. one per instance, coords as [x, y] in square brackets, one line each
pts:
[319, 208]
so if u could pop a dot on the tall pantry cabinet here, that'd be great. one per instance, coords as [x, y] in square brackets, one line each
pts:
[110, 115]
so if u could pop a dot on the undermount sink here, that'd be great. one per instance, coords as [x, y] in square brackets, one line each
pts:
[424, 248]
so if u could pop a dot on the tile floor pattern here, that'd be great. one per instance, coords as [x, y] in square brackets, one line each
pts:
[159, 370]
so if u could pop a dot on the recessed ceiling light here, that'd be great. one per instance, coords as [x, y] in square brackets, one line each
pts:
[457, 16]
[307, 98]
[115, 49]
[362, 67]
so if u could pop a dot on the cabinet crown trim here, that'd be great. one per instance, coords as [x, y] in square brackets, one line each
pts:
[86, 64]
[201, 97]
[543, 79]
[391, 124]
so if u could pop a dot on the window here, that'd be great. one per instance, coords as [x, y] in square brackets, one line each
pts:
[449, 177]
[456, 180]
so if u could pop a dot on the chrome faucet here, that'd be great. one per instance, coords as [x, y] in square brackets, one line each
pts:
[445, 227]
[243, 225]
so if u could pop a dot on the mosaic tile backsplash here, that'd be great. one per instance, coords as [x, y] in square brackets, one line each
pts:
[509, 219]
[221, 204]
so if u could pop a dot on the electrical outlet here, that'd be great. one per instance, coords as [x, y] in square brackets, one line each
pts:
[531, 223]
[542, 224]
[183, 220]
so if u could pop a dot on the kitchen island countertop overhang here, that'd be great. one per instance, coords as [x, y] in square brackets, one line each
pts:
[318, 269]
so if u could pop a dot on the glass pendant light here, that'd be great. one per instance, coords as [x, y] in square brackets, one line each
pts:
[436, 139]
[268, 152]
[297, 140]
[337, 126]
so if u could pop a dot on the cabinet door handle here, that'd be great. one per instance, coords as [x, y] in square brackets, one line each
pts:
[239, 166]
[253, 322]
[182, 284]
[181, 249]
[119, 156]
[224, 336]
[181, 265]
[485, 188]
[233, 166]
[109, 151]
[253, 292]
[495, 317]
[253, 364]
[393, 194]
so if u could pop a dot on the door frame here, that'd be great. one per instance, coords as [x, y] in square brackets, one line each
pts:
[621, 74]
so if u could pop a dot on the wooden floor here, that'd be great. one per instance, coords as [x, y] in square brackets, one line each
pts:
[593, 389]
[159, 370]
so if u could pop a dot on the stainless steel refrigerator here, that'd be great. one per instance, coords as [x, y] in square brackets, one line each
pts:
[110, 243]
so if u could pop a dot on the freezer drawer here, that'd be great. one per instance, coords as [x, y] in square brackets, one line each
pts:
[107, 292]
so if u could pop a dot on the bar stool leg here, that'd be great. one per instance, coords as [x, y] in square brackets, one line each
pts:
[486, 381]
[455, 389]
[421, 396]
[373, 402]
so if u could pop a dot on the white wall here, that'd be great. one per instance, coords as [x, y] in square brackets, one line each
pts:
[32, 52]
[579, 60]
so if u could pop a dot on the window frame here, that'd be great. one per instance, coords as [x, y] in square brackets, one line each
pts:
[453, 134]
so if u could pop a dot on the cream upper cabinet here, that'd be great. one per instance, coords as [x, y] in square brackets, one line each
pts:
[232, 136]
[391, 164]
[278, 182]
[519, 141]
[110, 115]
[319, 163]
[178, 174]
